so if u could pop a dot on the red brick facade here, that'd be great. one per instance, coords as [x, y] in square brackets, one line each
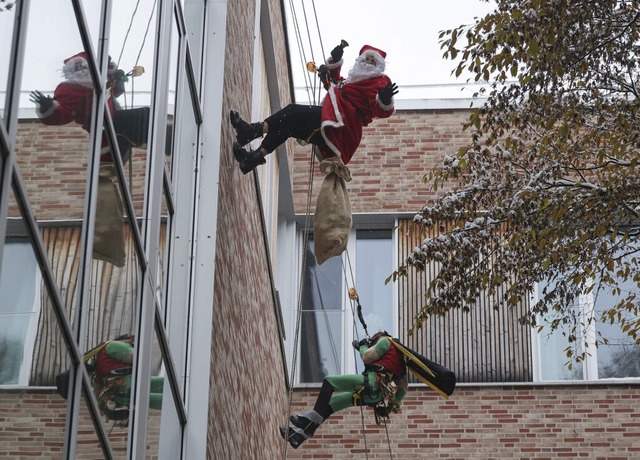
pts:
[536, 421]
[395, 154]
[487, 422]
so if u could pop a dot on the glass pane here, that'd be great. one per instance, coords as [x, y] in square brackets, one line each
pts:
[322, 319]
[109, 365]
[32, 352]
[24, 408]
[194, 15]
[130, 80]
[160, 406]
[374, 259]
[164, 260]
[620, 357]
[20, 305]
[88, 446]
[171, 96]
[132, 48]
[52, 145]
[7, 19]
[554, 363]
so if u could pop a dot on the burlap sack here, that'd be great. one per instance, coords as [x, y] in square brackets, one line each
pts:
[332, 220]
[108, 239]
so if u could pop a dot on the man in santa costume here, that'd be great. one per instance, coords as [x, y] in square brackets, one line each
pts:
[335, 127]
[72, 101]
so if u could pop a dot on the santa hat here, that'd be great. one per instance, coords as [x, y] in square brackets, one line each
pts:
[81, 55]
[366, 48]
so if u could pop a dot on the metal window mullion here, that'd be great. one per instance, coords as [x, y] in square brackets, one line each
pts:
[180, 104]
[151, 232]
[205, 227]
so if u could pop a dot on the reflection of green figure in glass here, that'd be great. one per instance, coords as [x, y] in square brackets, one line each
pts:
[113, 376]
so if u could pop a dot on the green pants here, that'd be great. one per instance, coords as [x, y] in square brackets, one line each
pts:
[123, 393]
[346, 385]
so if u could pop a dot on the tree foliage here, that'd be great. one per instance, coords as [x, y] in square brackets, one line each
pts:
[548, 189]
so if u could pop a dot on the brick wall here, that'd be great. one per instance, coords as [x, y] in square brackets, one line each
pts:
[394, 155]
[248, 390]
[483, 423]
[32, 424]
[53, 163]
[491, 422]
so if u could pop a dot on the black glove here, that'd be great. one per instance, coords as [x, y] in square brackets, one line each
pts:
[336, 53]
[120, 77]
[45, 103]
[323, 72]
[387, 93]
[383, 411]
[357, 344]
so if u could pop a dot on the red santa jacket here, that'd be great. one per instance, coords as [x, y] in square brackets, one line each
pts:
[72, 102]
[347, 108]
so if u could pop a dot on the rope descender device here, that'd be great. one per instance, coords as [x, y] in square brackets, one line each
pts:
[353, 295]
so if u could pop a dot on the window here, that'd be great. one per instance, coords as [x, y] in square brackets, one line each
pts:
[616, 359]
[327, 318]
[19, 312]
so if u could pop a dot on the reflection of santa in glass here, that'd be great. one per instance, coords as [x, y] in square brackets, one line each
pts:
[336, 126]
[73, 101]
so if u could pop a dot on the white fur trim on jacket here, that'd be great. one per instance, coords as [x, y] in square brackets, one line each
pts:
[338, 123]
[384, 106]
[49, 112]
[333, 65]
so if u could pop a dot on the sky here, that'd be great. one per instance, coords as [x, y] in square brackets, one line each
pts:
[406, 30]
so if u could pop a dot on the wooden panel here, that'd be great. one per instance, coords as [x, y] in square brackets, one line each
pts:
[488, 344]
[112, 300]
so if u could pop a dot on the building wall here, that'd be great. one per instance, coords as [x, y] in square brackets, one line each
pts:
[32, 424]
[248, 381]
[394, 155]
[53, 162]
[531, 421]
[248, 389]
[594, 421]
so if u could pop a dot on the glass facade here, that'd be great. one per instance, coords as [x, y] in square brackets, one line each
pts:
[101, 114]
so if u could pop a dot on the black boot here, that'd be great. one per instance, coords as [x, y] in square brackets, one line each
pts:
[294, 437]
[303, 426]
[308, 426]
[245, 132]
[248, 160]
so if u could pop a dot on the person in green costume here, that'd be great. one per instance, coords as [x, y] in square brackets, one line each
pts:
[113, 367]
[381, 359]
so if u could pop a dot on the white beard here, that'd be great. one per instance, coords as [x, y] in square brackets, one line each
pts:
[361, 70]
[80, 75]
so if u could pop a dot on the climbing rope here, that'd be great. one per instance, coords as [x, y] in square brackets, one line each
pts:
[313, 88]
[137, 70]
[305, 246]
[385, 385]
